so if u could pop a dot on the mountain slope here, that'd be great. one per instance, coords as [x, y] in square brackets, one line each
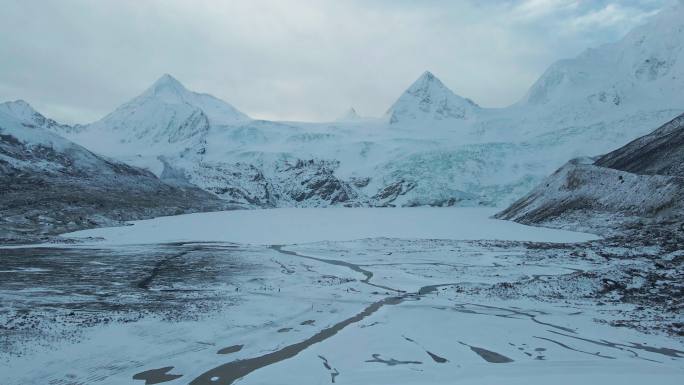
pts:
[51, 185]
[639, 182]
[645, 68]
[660, 152]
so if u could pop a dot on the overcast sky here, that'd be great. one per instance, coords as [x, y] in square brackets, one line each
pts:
[75, 61]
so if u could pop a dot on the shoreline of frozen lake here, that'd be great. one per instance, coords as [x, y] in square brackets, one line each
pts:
[306, 225]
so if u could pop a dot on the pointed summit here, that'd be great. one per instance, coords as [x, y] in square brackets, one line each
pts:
[167, 84]
[168, 91]
[167, 112]
[428, 76]
[168, 79]
[428, 99]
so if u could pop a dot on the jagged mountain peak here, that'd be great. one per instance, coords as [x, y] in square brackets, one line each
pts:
[428, 99]
[427, 84]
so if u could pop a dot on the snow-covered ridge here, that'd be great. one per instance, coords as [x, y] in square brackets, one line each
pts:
[20, 121]
[23, 113]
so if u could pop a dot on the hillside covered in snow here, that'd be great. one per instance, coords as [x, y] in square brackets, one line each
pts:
[50, 185]
[637, 184]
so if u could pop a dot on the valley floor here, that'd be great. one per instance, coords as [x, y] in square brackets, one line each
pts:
[380, 310]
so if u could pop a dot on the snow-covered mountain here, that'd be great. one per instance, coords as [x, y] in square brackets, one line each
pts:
[428, 101]
[49, 184]
[165, 115]
[432, 147]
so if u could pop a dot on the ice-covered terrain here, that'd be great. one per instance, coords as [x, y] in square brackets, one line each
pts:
[370, 311]
[433, 147]
[282, 226]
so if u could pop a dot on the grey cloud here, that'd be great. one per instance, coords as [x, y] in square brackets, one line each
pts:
[306, 60]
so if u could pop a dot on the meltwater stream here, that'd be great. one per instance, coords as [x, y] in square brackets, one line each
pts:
[230, 372]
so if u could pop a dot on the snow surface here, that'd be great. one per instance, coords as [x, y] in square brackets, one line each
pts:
[288, 226]
[274, 299]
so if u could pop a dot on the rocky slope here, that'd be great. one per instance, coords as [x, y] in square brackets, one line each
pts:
[639, 184]
[50, 185]
[658, 153]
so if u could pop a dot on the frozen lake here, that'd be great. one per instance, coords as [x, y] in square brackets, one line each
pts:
[289, 226]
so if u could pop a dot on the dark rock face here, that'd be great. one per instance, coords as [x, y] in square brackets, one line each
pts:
[313, 181]
[47, 190]
[237, 183]
[292, 182]
[640, 182]
[391, 192]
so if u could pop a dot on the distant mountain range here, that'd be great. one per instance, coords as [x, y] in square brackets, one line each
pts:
[432, 147]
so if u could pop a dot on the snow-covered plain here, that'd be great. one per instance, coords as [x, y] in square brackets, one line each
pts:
[288, 226]
[368, 311]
